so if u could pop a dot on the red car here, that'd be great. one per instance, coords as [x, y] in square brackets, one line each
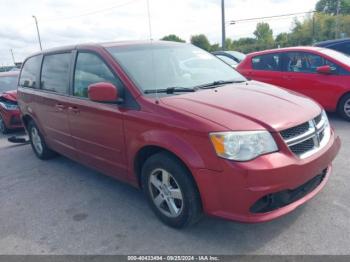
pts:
[179, 123]
[320, 73]
[9, 111]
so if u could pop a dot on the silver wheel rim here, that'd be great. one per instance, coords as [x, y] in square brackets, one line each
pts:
[36, 139]
[166, 193]
[347, 107]
[2, 125]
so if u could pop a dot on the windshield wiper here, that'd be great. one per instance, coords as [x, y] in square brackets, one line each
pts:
[171, 90]
[219, 83]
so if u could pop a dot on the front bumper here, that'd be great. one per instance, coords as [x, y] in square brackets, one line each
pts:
[12, 119]
[232, 193]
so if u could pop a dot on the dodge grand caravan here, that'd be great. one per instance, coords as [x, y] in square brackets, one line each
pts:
[195, 137]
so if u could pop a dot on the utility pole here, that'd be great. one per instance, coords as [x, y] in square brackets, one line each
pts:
[13, 57]
[337, 21]
[223, 24]
[37, 30]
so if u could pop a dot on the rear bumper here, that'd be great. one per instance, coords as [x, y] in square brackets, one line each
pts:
[232, 193]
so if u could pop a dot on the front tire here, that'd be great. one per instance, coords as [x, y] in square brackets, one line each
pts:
[344, 107]
[37, 141]
[171, 191]
[3, 128]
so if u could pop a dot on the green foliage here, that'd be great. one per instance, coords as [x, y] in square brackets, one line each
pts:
[201, 41]
[330, 6]
[264, 35]
[173, 38]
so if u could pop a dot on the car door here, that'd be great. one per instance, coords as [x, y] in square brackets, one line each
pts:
[266, 68]
[51, 105]
[97, 128]
[300, 75]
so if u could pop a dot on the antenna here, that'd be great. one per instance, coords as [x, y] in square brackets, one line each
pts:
[149, 21]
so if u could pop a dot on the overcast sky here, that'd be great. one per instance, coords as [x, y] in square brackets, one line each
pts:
[65, 22]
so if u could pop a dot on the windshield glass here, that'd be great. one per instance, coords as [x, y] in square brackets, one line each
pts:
[337, 55]
[175, 65]
[240, 56]
[8, 83]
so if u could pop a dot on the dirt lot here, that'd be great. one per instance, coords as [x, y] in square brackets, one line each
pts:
[61, 207]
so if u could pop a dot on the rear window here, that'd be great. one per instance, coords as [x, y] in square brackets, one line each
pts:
[269, 62]
[55, 73]
[30, 72]
[8, 83]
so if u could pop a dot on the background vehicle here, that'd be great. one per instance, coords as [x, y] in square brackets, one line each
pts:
[233, 58]
[341, 45]
[320, 73]
[132, 111]
[9, 111]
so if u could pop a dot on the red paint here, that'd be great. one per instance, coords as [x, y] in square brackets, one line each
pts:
[325, 88]
[103, 92]
[108, 137]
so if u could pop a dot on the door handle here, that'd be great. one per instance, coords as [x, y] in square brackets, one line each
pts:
[59, 107]
[74, 109]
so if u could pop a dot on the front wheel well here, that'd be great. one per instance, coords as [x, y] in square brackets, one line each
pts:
[26, 119]
[146, 152]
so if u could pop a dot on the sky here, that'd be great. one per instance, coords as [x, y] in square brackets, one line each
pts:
[66, 22]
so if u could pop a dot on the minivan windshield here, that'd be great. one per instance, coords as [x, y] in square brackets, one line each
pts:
[162, 66]
[8, 83]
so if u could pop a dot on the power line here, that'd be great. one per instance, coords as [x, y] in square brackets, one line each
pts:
[269, 17]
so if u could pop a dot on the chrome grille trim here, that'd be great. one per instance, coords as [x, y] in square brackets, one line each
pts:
[318, 133]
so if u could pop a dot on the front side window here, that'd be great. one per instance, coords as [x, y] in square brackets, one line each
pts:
[55, 73]
[29, 72]
[302, 62]
[161, 66]
[90, 69]
[269, 62]
[8, 83]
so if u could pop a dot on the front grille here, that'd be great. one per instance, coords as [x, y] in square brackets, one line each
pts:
[303, 147]
[295, 131]
[306, 138]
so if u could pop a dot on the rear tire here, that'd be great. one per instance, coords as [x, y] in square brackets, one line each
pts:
[171, 191]
[344, 107]
[37, 141]
[3, 128]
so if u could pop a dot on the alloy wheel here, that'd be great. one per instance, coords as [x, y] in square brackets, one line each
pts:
[347, 107]
[2, 125]
[36, 140]
[166, 193]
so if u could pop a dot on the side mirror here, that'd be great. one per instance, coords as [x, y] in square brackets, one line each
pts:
[324, 70]
[103, 92]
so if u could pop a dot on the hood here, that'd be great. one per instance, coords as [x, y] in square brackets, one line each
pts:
[10, 95]
[248, 106]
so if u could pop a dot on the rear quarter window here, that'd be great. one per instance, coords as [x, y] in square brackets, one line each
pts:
[29, 73]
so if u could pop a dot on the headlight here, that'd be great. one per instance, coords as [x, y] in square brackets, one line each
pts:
[8, 106]
[243, 146]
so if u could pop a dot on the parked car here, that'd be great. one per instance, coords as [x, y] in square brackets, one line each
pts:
[341, 45]
[320, 73]
[233, 58]
[9, 111]
[194, 142]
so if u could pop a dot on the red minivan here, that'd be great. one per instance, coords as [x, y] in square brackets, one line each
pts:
[179, 123]
[320, 73]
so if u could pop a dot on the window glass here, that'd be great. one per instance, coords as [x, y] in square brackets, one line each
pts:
[344, 48]
[29, 72]
[55, 73]
[306, 62]
[90, 69]
[8, 83]
[158, 66]
[269, 62]
[227, 60]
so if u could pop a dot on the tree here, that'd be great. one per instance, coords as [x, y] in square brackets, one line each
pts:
[201, 41]
[330, 6]
[282, 40]
[173, 38]
[264, 35]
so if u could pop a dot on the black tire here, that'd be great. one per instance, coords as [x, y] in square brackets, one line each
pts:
[191, 208]
[343, 106]
[3, 128]
[46, 152]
